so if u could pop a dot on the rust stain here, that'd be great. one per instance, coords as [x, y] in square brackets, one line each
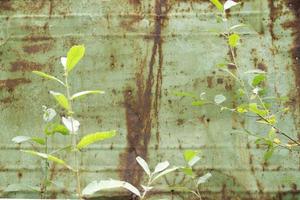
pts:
[39, 40]
[23, 65]
[11, 84]
[6, 5]
[275, 11]
[35, 48]
[139, 104]
[294, 6]
[135, 2]
[209, 81]
[7, 100]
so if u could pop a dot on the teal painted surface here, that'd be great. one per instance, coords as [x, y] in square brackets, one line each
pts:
[120, 37]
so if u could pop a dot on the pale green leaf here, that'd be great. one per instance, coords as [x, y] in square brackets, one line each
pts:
[48, 157]
[21, 139]
[21, 187]
[74, 56]
[61, 100]
[96, 186]
[229, 4]
[161, 167]
[219, 99]
[233, 40]
[83, 93]
[47, 76]
[217, 4]
[255, 71]
[95, 137]
[204, 178]
[165, 172]
[143, 164]
[238, 26]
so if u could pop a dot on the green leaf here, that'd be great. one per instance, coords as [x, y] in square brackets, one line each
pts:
[51, 129]
[258, 79]
[96, 186]
[199, 103]
[217, 4]
[47, 76]
[74, 56]
[38, 140]
[48, 157]
[189, 155]
[61, 99]
[95, 137]
[219, 99]
[188, 171]
[83, 93]
[233, 40]
[253, 108]
[268, 154]
[21, 139]
[241, 109]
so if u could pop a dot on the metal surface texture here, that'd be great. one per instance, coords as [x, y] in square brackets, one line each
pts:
[140, 52]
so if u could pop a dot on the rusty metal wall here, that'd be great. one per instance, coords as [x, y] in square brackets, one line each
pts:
[139, 52]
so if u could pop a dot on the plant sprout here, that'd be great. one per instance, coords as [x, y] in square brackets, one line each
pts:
[69, 126]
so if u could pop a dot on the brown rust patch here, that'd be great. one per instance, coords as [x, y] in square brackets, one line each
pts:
[275, 11]
[23, 65]
[135, 2]
[294, 6]
[11, 84]
[140, 104]
[39, 40]
[209, 81]
[7, 100]
[6, 5]
[36, 48]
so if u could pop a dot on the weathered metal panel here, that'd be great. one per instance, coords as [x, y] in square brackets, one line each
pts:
[139, 52]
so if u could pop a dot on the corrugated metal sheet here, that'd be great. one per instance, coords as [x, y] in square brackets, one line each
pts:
[139, 52]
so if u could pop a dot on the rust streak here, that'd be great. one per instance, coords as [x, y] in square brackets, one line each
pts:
[23, 65]
[139, 104]
[294, 6]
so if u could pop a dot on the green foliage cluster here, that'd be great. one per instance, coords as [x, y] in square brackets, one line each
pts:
[251, 92]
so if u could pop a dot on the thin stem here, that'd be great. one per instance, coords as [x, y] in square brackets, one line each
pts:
[145, 191]
[45, 171]
[279, 131]
[74, 138]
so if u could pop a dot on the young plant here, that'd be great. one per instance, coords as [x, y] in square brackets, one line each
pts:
[251, 92]
[160, 170]
[70, 124]
[191, 181]
[50, 128]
